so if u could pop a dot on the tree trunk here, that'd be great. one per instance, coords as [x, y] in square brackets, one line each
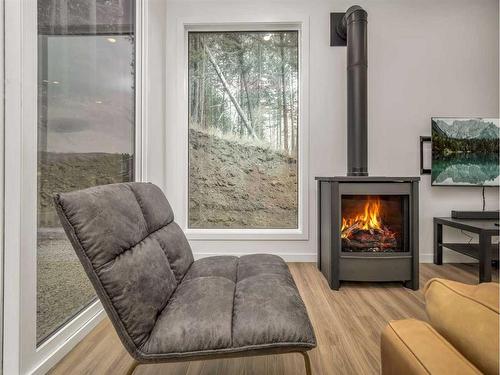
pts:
[245, 88]
[246, 122]
[293, 116]
[222, 111]
[195, 83]
[243, 77]
[258, 123]
[240, 98]
[283, 94]
[279, 121]
[202, 98]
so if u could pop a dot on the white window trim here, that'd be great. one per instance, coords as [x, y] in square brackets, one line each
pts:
[297, 23]
[20, 352]
[2, 180]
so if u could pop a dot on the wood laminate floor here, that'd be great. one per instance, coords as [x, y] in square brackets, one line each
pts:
[347, 323]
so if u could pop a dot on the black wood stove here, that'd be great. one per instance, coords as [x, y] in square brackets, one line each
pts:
[368, 229]
[367, 226]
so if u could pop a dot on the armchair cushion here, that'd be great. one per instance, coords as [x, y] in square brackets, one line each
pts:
[468, 317]
[413, 347]
[213, 309]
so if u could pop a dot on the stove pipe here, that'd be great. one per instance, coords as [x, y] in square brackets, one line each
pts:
[353, 28]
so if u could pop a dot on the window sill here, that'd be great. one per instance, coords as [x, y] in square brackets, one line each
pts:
[246, 234]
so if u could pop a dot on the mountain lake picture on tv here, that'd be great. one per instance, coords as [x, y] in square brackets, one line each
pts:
[465, 151]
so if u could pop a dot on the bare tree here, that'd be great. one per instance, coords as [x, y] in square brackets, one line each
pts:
[201, 92]
[283, 93]
[242, 115]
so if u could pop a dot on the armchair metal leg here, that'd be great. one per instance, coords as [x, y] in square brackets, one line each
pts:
[132, 367]
[307, 362]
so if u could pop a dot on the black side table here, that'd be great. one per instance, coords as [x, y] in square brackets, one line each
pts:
[484, 251]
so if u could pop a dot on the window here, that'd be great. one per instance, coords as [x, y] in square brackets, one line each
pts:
[86, 127]
[243, 130]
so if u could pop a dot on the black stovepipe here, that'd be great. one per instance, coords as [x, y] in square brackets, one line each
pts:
[353, 28]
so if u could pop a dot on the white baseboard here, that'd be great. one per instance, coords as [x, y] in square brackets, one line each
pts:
[449, 257]
[426, 258]
[66, 346]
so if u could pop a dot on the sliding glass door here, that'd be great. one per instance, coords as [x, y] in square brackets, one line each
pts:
[86, 133]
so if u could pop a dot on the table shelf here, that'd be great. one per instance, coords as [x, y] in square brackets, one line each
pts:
[485, 229]
[472, 249]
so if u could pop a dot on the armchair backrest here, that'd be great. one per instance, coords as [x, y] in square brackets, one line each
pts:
[131, 249]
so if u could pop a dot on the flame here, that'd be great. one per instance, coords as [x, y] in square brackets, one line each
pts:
[368, 219]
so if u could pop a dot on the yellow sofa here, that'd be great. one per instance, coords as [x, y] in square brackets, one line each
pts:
[462, 337]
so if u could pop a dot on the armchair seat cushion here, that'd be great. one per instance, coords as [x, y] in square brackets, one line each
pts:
[227, 304]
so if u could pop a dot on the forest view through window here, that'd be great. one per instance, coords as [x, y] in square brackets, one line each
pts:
[86, 127]
[243, 129]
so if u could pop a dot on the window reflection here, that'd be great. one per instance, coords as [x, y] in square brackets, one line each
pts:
[86, 127]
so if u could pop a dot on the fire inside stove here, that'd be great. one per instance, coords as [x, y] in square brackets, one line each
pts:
[372, 224]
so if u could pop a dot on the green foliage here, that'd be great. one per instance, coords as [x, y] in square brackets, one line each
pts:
[468, 156]
[261, 74]
[443, 145]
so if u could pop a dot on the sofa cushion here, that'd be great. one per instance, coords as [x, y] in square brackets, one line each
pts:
[468, 317]
[413, 347]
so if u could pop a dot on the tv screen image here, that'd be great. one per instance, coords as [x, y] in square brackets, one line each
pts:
[465, 151]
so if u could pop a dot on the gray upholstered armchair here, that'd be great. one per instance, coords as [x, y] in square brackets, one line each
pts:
[165, 306]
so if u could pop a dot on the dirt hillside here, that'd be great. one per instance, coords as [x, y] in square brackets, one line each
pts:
[240, 185]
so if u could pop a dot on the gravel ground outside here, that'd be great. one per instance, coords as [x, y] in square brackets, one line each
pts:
[63, 288]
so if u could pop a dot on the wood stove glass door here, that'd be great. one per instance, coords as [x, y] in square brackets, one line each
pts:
[374, 223]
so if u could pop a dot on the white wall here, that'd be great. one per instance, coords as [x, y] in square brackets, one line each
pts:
[154, 166]
[426, 58]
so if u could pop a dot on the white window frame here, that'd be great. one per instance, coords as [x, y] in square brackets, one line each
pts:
[21, 354]
[2, 180]
[295, 23]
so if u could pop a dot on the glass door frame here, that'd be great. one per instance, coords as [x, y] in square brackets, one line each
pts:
[2, 180]
[21, 354]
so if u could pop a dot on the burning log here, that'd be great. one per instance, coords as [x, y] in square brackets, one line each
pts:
[365, 231]
[347, 232]
[355, 238]
[371, 245]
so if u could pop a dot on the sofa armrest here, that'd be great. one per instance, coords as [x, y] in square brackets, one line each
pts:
[413, 347]
[468, 317]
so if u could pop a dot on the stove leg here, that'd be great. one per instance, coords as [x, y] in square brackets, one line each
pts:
[411, 284]
[335, 285]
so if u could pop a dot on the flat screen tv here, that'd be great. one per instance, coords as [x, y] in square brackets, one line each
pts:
[465, 151]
